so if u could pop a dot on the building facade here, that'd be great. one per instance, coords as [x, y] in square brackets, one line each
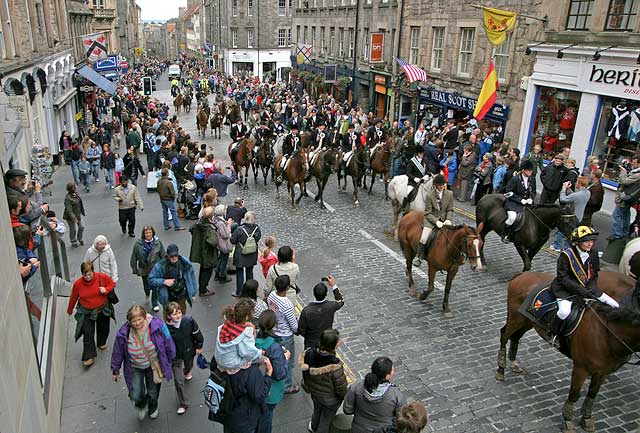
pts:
[128, 26]
[80, 23]
[105, 20]
[155, 40]
[584, 92]
[171, 38]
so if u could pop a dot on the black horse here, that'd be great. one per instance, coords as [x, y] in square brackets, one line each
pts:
[321, 168]
[535, 228]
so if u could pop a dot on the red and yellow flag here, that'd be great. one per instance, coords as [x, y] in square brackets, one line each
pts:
[497, 23]
[488, 94]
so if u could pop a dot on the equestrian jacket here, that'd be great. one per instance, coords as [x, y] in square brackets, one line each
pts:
[520, 192]
[290, 144]
[415, 170]
[349, 141]
[436, 209]
[238, 132]
[375, 135]
[575, 277]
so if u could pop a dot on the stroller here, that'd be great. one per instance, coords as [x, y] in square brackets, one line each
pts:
[189, 200]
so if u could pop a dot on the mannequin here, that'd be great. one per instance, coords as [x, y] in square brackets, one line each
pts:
[634, 126]
[618, 123]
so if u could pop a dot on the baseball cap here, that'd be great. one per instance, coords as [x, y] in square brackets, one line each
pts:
[172, 250]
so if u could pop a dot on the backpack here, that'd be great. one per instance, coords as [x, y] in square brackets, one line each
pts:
[250, 246]
[218, 395]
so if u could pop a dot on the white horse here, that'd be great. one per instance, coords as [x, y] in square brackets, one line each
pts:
[398, 191]
[630, 261]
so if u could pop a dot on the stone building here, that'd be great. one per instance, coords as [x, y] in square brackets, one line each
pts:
[191, 26]
[155, 40]
[80, 23]
[171, 38]
[105, 21]
[584, 91]
[453, 49]
[128, 27]
[340, 33]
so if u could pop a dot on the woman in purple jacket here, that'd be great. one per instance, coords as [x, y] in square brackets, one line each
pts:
[144, 345]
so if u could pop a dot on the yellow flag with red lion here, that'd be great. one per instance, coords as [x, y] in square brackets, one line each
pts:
[497, 23]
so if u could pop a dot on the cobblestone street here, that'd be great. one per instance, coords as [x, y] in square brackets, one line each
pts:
[449, 364]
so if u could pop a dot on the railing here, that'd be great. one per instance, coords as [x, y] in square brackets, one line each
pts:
[104, 13]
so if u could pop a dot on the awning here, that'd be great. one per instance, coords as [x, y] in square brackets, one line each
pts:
[97, 79]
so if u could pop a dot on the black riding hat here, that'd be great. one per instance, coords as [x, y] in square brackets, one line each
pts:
[439, 180]
[419, 149]
[526, 165]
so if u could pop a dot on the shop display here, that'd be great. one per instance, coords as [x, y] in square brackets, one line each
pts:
[555, 120]
[41, 164]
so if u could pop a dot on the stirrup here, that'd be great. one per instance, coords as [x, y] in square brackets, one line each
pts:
[417, 261]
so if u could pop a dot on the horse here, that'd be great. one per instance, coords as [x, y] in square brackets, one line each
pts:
[397, 193]
[451, 246]
[630, 261]
[355, 168]
[263, 160]
[216, 124]
[233, 112]
[295, 174]
[321, 167]
[186, 103]
[243, 157]
[601, 344]
[381, 164]
[177, 102]
[536, 225]
[202, 120]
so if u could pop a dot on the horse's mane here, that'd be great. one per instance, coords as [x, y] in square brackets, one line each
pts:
[626, 313]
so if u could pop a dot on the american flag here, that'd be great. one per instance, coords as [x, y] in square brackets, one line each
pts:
[412, 72]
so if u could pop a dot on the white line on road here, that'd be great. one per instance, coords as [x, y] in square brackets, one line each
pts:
[396, 256]
[327, 205]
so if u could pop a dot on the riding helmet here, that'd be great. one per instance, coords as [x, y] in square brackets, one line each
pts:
[526, 165]
[583, 234]
[439, 180]
[418, 150]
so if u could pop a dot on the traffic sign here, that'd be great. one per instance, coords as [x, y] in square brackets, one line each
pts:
[108, 64]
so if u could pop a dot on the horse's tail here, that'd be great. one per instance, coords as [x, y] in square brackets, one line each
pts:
[480, 226]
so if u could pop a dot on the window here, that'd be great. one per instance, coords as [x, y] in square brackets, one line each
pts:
[234, 38]
[501, 59]
[282, 7]
[282, 37]
[234, 8]
[332, 40]
[298, 34]
[385, 1]
[579, 17]
[353, 2]
[365, 43]
[622, 15]
[249, 8]
[437, 48]
[250, 36]
[30, 34]
[304, 35]
[352, 34]
[289, 36]
[323, 46]
[313, 37]
[341, 42]
[467, 35]
[414, 45]
[368, 2]
[7, 41]
[99, 4]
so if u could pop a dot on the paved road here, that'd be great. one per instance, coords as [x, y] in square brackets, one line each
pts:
[447, 363]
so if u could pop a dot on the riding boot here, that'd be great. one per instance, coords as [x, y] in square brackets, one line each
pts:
[507, 235]
[420, 254]
[556, 329]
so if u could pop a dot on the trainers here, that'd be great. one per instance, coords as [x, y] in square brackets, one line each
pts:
[156, 308]
[154, 414]
[554, 248]
[188, 376]
[309, 427]
[141, 412]
[208, 293]
[181, 410]
[179, 229]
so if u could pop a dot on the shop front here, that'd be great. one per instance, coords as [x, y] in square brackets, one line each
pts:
[591, 107]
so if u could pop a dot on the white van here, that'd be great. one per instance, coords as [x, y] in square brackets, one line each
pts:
[174, 72]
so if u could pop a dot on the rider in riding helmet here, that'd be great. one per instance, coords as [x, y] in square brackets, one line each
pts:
[577, 276]
[278, 128]
[438, 208]
[290, 144]
[520, 191]
[416, 174]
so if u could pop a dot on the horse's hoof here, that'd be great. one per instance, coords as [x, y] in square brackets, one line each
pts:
[412, 292]
[500, 376]
[357, 203]
[588, 424]
[322, 206]
[517, 368]
[447, 314]
[369, 193]
[568, 427]
[424, 295]
[316, 198]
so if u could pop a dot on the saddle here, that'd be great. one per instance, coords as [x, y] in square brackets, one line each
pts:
[540, 307]
[430, 241]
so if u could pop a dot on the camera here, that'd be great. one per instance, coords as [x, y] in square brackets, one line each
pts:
[325, 279]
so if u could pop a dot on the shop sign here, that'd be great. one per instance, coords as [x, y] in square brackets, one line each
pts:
[19, 104]
[86, 89]
[377, 46]
[615, 80]
[463, 103]
[380, 79]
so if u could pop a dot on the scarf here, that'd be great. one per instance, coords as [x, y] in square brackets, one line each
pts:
[230, 331]
[175, 324]
[147, 246]
[578, 267]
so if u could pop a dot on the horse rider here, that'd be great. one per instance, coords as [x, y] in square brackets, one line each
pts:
[577, 277]
[438, 208]
[290, 145]
[375, 137]
[278, 128]
[349, 143]
[238, 133]
[314, 120]
[296, 120]
[319, 139]
[262, 134]
[175, 87]
[416, 174]
[520, 192]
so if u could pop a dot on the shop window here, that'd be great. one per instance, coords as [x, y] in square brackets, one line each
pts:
[622, 15]
[618, 136]
[579, 17]
[555, 120]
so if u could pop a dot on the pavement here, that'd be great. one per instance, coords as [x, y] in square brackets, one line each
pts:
[449, 364]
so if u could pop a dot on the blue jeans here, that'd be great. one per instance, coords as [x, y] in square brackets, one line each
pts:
[240, 278]
[148, 290]
[621, 220]
[560, 241]
[396, 167]
[144, 393]
[75, 171]
[221, 267]
[289, 345]
[108, 176]
[95, 170]
[169, 206]
[265, 422]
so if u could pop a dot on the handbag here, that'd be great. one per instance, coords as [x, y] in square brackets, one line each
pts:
[156, 370]
[112, 297]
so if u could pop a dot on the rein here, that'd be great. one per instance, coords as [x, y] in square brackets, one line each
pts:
[631, 351]
[462, 253]
[542, 222]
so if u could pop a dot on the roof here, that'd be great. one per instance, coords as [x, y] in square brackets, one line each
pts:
[171, 27]
[193, 9]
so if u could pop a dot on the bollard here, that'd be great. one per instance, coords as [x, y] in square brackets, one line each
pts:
[341, 424]
[614, 251]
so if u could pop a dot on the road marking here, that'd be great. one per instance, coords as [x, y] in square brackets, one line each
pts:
[396, 256]
[327, 205]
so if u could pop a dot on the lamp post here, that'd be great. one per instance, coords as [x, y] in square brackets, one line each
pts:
[394, 63]
[355, 55]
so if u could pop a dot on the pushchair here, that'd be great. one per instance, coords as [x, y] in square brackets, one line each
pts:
[189, 201]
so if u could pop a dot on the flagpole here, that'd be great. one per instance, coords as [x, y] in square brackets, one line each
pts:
[544, 20]
[394, 64]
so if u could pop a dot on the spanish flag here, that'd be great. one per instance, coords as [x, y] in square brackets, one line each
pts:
[488, 93]
[497, 23]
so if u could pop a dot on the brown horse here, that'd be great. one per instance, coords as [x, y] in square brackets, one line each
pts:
[177, 102]
[202, 121]
[233, 112]
[452, 245]
[242, 159]
[381, 164]
[186, 103]
[295, 174]
[216, 125]
[601, 344]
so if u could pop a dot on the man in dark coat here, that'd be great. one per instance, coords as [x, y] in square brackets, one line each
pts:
[415, 173]
[204, 250]
[551, 178]
[318, 315]
[296, 121]
[595, 199]
[132, 165]
[522, 190]
[450, 137]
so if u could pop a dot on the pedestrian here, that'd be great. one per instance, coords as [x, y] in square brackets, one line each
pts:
[551, 178]
[286, 266]
[287, 325]
[27, 258]
[236, 212]
[73, 213]
[571, 173]
[223, 228]
[102, 256]
[64, 143]
[132, 166]
[536, 158]
[108, 164]
[250, 291]
[93, 156]
[119, 167]
[93, 310]
[498, 175]
[245, 256]
[318, 315]
[188, 339]
[143, 348]
[465, 172]
[174, 279]
[597, 196]
[167, 193]
[482, 175]
[578, 200]
[128, 198]
[147, 251]
[204, 250]
[628, 181]
[412, 418]
[323, 377]
[235, 342]
[267, 257]
[85, 172]
[374, 401]
[279, 358]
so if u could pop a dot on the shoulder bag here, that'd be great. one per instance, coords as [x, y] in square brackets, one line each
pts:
[158, 375]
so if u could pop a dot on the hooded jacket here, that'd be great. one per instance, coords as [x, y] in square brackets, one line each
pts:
[238, 352]
[372, 410]
[204, 243]
[103, 261]
[323, 376]
[275, 353]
